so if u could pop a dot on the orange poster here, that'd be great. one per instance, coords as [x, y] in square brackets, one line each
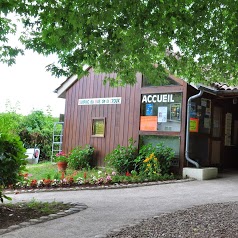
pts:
[148, 123]
[194, 124]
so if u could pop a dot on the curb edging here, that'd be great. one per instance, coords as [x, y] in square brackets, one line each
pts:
[113, 186]
[76, 207]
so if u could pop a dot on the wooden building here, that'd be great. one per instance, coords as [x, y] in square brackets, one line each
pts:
[103, 117]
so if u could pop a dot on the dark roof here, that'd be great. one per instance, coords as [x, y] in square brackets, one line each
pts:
[223, 86]
[220, 90]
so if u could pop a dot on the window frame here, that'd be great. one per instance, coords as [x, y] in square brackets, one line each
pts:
[92, 126]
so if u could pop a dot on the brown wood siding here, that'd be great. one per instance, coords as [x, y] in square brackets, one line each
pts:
[122, 120]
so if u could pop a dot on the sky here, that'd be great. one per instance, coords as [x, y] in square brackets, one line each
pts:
[28, 86]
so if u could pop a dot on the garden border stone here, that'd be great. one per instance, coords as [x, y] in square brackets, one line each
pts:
[80, 187]
[77, 207]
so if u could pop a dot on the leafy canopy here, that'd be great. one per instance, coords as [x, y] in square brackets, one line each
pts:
[129, 36]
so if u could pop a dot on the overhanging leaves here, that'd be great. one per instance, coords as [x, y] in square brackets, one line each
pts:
[126, 37]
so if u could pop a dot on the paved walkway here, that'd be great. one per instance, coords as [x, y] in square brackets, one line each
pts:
[113, 208]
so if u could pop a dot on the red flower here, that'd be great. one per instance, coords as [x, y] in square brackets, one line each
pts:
[47, 182]
[127, 173]
[85, 175]
[70, 180]
[33, 183]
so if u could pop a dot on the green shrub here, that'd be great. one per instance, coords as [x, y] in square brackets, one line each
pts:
[12, 159]
[9, 122]
[80, 158]
[144, 152]
[2, 195]
[163, 153]
[36, 129]
[150, 166]
[122, 158]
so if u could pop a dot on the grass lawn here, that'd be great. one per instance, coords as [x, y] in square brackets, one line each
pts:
[42, 170]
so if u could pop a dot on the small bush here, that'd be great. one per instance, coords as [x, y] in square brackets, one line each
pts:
[122, 158]
[150, 166]
[80, 158]
[163, 153]
[144, 152]
[2, 195]
[12, 159]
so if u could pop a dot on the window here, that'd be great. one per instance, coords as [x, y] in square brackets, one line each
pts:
[169, 141]
[161, 112]
[98, 127]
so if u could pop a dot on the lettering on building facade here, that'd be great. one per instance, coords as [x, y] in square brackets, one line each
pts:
[157, 98]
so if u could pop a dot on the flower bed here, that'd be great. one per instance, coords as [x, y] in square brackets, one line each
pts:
[87, 180]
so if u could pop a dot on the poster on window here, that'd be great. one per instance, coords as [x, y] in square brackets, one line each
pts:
[149, 109]
[175, 111]
[162, 114]
[193, 125]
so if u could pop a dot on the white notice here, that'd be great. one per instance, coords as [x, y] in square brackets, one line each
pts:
[162, 114]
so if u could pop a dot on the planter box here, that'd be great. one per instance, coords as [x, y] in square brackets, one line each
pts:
[200, 173]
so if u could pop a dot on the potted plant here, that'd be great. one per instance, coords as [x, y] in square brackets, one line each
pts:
[62, 161]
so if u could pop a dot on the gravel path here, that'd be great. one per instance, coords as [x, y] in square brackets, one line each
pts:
[213, 220]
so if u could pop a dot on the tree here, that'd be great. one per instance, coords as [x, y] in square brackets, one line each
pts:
[131, 36]
[36, 129]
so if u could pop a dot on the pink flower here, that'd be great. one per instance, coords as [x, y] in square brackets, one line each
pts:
[61, 153]
[114, 173]
[108, 178]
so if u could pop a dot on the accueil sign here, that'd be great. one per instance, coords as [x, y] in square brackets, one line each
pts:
[157, 98]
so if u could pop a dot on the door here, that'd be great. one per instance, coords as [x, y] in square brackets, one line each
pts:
[216, 136]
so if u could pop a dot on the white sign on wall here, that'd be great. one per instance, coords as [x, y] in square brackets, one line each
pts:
[99, 101]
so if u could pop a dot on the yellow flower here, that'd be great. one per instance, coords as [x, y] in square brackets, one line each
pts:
[146, 160]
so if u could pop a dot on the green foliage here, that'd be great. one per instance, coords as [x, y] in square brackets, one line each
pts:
[122, 158]
[12, 159]
[163, 153]
[61, 157]
[46, 207]
[144, 151]
[36, 130]
[9, 122]
[81, 158]
[204, 31]
[2, 195]
[150, 166]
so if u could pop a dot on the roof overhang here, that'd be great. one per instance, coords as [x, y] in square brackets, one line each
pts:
[61, 90]
[219, 93]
